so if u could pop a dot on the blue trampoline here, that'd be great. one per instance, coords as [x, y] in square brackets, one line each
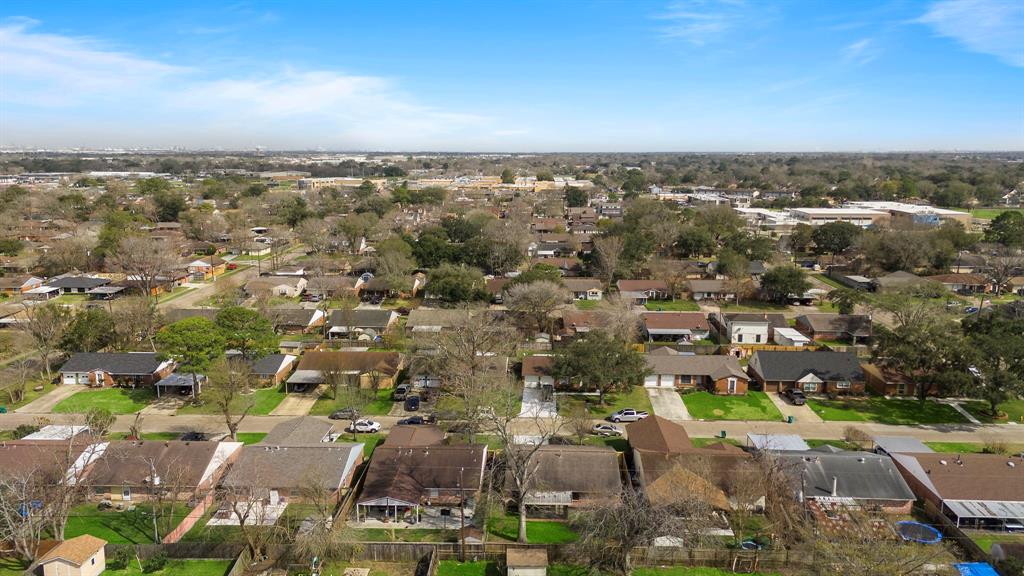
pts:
[976, 569]
[918, 532]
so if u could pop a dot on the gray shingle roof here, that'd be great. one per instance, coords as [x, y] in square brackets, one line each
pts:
[298, 431]
[698, 365]
[130, 363]
[85, 282]
[270, 467]
[378, 319]
[792, 366]
[860, 475]
[853, 324]
[268, 365]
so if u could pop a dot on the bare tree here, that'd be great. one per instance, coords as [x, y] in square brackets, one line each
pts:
[248, 504]
[536, 301]
[228, 388]
[608, 254]
[22, 525]
[616, 316]
[135, 320]
[671, 272]
[1002, 266]
[45, 325]
[319, 536]
[65, 488]
[146, 261]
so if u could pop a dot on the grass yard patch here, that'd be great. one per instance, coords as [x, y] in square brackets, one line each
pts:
[635, 397]
[985, 539]
[702, 442]
[30, 394]
[456, 568]
[991, 213]
[179, 568]
[337, 568]
[586, 304]
[537, 531]
[841, 444]
[973, 447]
[898, 411]
[1014, 410]
[117, 400]
[672, 306]
[405, 534]
[751, 406]
[121, 527]
[753, 306]
[12, 567]
[830, 281]
[370, 441]
[264, 401]
[618, 443]
[692, 571]
[155, 436]
[379, 406]
[250, 437]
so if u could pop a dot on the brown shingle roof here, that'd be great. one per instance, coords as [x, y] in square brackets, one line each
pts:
[387, 363]
[127, 463]
[641, 285]
[76, 550]
[537, 365]
[414, 436]
[979, 477]
[409, 473]
[657, 434]
[561, 469]
[675, 320]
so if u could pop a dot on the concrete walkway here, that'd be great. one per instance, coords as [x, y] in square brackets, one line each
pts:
[799, 413]
[298, 404]
[956, 406]
[44, 404]
[667, 403]
[535, 406]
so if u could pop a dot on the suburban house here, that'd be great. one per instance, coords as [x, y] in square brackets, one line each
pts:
[668, 466]
[681, 327]
[334, 286]
[812, 372]
[296, 320]
[53, 461]
[76, 284]
[575, 322]
[206, 268]
[972, 490]
[558, 484]
[749, 328]
[889, 382]
[79, 556]
[421, 481]
[828, 476]
[537, 371]
[13, 285]
[640, 291]
[183, 383]
[157, 285]
[287, 286]
[571, 266]
[423, 375]
[584, 288]
[373, 369]
[115, 369]
[295, 456]
[273, 369]
[130, 471]
[962, 283]
[853, 328]
[897, 281]
[381, 287]
[712, 290]
[362, 324]
[716, 374]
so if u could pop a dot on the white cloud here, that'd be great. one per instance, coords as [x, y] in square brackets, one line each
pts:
[861, 52]
[700, 22]
[994, 27]
[328, 107]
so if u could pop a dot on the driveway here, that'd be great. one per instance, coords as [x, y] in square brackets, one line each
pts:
[799, 413]
[535, 406]
[667, 403]
[44, 404]
[297, 404]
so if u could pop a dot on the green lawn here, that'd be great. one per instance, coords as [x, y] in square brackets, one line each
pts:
[753, 306]
[991, 213]
[984, 539]
[883, 411]
[156, 436]
[179, 568]
[752, 406]
[673, 306]
[702, 442]
[380, 406]
[636, 397]
[264, 401]
[127, 527]
[586, 304]
[117, 400]
[173, 294]
[969, 447]
[824, 278]
[537, 531]
[338, 567]
[841, 444]
[30, 394]
[405, 534]
[12, 567]
[1014, 410]
[618, 443]
[370, 441]
[250, 437]
[456, 568]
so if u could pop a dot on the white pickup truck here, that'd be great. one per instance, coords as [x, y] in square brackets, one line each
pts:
[628, 415]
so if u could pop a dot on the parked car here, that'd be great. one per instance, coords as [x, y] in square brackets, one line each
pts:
[412, 403]
[300, 387]
[971, 310]
[628, 415]
[343, 414]
[606, 430]
[400, 392]
[364, 426]
[232, 266]
[795, 396]
[416, 420]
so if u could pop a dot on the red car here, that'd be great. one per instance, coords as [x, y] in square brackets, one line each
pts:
[232, 266]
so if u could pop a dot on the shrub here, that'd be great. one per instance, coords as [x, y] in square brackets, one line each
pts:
[154, 563]
[120, 559]
[855, 435]
[24, 430]
[993, 446]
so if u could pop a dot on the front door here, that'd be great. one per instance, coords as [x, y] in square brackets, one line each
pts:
[126, 493]
[732, 386]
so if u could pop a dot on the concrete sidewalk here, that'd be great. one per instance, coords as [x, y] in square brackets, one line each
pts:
[667, 403]
[44, 404]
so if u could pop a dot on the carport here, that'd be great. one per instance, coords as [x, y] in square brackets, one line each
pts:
[985, 514]
[178, 382]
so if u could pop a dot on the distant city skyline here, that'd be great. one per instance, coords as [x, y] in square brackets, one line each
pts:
[683, 76]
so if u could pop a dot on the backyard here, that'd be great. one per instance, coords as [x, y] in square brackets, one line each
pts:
[537, 531]
[379, 406]
[484, 568]
[673, 306]
[117, 400]
[121, 527]
[750, 406]
[264, 401]
[884, 411]
[178, 568]
[986, 538]
[635, 397]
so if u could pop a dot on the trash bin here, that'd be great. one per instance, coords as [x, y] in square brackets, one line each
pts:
[721, 434]
[790, 419]
[3, 409]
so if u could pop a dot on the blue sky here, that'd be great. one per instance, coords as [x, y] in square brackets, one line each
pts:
[689, 75]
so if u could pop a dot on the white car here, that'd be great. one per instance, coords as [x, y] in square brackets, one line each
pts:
[364, 426]
[606, 430]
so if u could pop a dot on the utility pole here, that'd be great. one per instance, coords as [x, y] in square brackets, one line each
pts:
[462, 518]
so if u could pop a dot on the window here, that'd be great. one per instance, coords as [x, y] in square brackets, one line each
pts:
[843, 384]
[732, 386]
[757, 338]
[901, 389]
[126, 493]
[739, 337]
[92, 561]
[810, 386]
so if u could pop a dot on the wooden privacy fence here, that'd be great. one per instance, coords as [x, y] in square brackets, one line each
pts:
[191, 550]
[190, 520]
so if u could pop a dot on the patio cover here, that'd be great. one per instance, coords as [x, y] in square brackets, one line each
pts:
[985, 509]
